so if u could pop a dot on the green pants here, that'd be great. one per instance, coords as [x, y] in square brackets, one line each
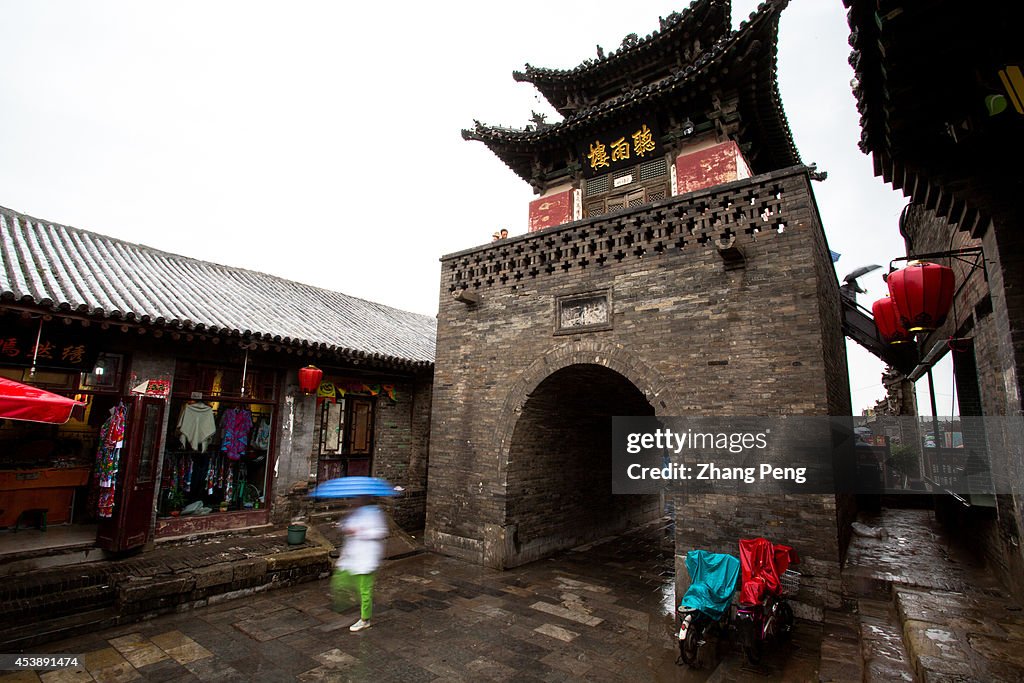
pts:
[344, 586]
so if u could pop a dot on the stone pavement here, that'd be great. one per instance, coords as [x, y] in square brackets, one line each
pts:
[600, 612]
[955, 622]
[916, 609]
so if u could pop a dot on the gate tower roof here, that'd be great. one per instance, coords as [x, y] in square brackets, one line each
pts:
[740, 64]
[678, 42]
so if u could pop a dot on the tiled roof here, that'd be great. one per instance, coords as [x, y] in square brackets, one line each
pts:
[924, 108]
[72, 270]
[757, 35]
[658, 53]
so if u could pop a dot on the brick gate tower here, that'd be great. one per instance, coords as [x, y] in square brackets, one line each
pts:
[675, 266]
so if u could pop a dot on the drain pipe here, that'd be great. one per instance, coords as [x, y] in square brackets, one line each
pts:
[935, 410]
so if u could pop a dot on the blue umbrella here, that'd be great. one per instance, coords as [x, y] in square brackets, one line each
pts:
[353, 487]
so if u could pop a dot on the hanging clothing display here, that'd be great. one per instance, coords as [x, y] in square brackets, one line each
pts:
[261, 435]
[235, 424]
[229, 485]
[108, 457]
[211, 475]
[196, 426]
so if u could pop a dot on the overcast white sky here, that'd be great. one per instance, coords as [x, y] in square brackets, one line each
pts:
[320, 141]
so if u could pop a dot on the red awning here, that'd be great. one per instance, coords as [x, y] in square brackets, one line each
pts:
[24, 402]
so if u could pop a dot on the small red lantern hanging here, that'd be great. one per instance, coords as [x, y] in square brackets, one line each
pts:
[887, 319]
[923, 294]
[309, 379]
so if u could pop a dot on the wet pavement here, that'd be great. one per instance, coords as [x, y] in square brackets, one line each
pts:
[956, 623]
[600, 612]
[915, 609]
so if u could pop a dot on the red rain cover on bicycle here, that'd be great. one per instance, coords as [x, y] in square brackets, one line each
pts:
[762, 562]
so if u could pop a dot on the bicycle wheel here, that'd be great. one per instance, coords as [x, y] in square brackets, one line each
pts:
[785, 624]
[751, 641]
[689, 648]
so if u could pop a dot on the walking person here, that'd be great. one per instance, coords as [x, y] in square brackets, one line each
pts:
[366, 532]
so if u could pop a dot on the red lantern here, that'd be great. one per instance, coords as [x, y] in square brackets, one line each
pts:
[887, 318]
[923, 293]
[309, 379]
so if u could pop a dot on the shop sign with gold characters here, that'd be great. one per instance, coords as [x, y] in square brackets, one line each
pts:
[623, 146]
[53, 348]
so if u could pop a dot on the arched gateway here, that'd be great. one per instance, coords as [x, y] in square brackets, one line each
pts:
[555, 461]
[676, 265]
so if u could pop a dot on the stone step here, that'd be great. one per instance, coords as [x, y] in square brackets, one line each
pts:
[34, 608]
[55, 580]
[28, 635]
[859, 583]
[953, 635]
[12, 564]
[881, 641]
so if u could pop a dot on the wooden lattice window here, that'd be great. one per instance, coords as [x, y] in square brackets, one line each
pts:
[626, 188]
[346, 426]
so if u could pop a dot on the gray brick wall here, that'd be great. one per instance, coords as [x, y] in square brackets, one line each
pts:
[690, 335]
[402, 436]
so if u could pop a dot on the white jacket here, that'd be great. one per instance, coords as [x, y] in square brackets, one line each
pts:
[197, 426]
[366, 531]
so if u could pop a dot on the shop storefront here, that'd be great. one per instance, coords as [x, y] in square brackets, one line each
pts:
[193, 418]
[48, 476]
[194, 442]
[220, 449]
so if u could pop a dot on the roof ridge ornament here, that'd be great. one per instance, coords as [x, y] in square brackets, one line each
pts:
[539, 120]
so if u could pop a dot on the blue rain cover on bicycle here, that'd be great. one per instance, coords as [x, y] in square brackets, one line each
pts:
[713, 579]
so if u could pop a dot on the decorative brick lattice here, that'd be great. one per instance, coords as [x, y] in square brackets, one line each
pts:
[659, 229]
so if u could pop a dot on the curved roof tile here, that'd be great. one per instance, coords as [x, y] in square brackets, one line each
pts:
[507, 142]
[66, 268]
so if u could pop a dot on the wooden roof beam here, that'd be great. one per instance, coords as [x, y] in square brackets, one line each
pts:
[982, 226]
[897, 177]
[943, 203]
[957, 209]
[969, 220]
[931, 196]
[916, 186]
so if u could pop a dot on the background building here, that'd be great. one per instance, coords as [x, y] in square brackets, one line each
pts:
[940, 90]
[199, 362]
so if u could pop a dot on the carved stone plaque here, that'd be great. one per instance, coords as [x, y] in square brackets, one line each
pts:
[584, 312]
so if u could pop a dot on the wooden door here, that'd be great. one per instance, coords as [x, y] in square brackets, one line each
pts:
[362, 427]
[360, 448]
[130, 524]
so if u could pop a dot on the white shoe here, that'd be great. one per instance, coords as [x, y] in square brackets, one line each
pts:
[359, 625]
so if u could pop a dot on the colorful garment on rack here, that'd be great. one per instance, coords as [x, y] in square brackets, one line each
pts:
[108, 457]
[211, 475]
[112, 432]
[261, 435]
[229, 486]
[235, 424]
